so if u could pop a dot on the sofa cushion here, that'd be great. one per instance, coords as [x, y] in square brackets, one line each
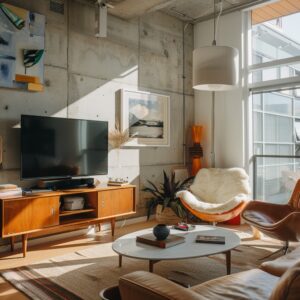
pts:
[288, 287]
[280, 265]
[209, 208]
[141, 285]
[253, 284]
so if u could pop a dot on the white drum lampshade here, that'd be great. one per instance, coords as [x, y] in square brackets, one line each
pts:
[215, 68]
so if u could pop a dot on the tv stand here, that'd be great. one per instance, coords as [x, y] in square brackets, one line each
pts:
[41, 214]
[66, 183]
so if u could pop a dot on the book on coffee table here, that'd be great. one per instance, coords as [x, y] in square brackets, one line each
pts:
[170, 241]
[210, 239]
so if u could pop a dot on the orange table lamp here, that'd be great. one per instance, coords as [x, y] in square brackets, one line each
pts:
[196, 150]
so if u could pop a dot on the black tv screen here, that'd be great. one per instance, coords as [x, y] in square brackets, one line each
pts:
[61, 148]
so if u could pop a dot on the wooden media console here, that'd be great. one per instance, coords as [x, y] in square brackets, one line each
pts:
[41, 213]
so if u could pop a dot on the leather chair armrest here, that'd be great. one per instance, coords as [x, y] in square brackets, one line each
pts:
[288, 287]
[141, 285]
[282, 264]
[277, 211]
[292, 221]
[261, 205]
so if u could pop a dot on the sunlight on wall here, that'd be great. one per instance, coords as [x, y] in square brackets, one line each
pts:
[95, 99]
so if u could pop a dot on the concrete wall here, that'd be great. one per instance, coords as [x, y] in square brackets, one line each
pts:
[229, 106]
[83, 75]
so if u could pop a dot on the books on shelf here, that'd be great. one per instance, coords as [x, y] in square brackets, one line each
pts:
[7, 187]
[210, 239]
[170, 241]
[115, 183]
[7, 190]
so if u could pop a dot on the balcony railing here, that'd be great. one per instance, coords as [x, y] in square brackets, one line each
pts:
[274, 177]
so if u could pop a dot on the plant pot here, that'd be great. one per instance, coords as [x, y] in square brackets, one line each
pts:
[166, 216]
[111, 293]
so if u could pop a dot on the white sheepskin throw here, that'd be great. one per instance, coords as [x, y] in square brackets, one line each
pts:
[217, 190]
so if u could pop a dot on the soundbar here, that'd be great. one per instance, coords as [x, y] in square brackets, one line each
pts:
[59, 184]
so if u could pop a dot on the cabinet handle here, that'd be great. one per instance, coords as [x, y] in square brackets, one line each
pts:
[102, 202]
[52, 211]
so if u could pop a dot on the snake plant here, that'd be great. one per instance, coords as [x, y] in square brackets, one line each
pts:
[165, 194]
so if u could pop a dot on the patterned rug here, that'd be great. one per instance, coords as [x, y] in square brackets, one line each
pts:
[83, 274]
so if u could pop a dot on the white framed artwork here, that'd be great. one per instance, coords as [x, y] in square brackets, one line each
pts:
[146, 118]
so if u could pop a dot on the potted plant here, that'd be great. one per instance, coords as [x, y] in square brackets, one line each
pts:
[169, 209]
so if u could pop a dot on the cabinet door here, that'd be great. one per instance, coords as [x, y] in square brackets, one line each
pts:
[116, 202]
[124, 201]
[105, 205]
[29, 214]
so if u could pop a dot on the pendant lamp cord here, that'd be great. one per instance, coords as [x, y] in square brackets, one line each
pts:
[214, 43]
[216, 20]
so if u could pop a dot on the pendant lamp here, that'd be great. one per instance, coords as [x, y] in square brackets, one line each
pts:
[215, 68]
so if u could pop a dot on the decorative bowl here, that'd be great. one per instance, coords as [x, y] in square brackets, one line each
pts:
[161, 232]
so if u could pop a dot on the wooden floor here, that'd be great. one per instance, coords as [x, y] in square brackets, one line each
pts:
[57, 248]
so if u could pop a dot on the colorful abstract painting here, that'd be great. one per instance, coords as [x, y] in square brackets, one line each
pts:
[22, 43]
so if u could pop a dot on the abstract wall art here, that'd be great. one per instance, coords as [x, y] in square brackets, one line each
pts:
[22, 43]
[146, 117]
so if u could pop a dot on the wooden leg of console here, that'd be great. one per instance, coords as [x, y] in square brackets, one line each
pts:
[24, 244]
[99, 227]
[112, 224]
[12, 243]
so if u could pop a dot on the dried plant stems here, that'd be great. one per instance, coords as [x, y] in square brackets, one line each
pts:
[117, 137]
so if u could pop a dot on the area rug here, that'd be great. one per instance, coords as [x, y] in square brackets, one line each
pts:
[83, 274]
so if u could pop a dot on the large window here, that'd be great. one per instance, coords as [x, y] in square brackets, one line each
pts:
[274, 85]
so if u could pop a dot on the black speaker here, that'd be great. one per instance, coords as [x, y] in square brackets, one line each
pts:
[59, 184]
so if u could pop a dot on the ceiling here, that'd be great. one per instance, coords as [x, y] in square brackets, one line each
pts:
[275, 10]
[186, 10]
[190, 10]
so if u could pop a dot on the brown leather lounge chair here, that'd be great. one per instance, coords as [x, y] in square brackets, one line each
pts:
[281, 222]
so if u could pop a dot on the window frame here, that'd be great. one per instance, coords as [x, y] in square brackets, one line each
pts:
[275, 85]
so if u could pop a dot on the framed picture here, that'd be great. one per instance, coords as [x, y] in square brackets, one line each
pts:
[146, 118]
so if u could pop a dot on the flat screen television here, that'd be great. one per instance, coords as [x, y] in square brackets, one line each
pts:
[62, 148]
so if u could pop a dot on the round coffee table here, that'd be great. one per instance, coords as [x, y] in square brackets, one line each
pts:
[129, 247]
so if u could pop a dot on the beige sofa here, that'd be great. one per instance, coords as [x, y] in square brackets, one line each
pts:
[275, 280]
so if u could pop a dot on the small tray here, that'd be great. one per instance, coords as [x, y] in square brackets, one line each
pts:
[183, 227]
